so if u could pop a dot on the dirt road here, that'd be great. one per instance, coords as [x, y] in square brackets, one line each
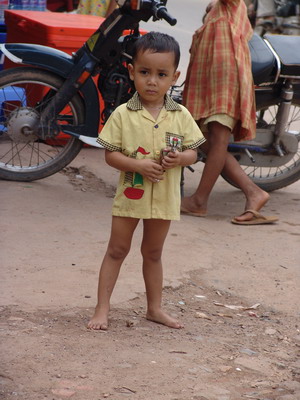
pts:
[235, 288]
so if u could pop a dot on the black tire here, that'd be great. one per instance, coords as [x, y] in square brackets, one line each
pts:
[270, 179]
[27, 158]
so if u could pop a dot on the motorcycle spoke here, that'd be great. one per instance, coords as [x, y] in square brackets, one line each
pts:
[274, 177]
[13, 155]
[295, 117]
[36, 150]
[23, 154]
[16, 151]
[16, 154]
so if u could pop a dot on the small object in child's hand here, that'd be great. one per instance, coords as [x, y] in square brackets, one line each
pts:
[175, 143]
[163, 153]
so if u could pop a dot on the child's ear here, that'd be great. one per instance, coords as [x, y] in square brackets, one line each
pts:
[175, 77]
[130, 70]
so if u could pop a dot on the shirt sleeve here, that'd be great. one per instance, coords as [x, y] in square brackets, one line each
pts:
[110, 136]
[193, 137]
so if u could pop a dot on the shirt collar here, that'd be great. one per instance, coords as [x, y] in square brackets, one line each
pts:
[135, 103]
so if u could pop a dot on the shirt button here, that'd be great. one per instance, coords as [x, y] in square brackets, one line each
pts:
[156, 126]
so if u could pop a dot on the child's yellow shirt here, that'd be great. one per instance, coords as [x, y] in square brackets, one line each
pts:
[132, 130]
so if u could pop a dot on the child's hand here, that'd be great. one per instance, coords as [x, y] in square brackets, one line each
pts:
[171, 160]
[151, 170]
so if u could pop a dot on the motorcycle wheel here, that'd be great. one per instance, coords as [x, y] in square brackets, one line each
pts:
[273, 178]
[24, 156]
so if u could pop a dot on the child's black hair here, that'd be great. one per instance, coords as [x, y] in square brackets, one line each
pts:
[157, 42]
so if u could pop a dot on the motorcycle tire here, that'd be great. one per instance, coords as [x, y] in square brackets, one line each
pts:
[24, 156]
[274, 178]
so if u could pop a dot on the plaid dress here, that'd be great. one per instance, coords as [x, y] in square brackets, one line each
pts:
[219, 78]
[93, 7]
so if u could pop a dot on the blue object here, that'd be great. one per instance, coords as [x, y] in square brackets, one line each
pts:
[7, 95]
[15, 5]
[2, 40]
[3, 7]
[250, 147]
[34, 5]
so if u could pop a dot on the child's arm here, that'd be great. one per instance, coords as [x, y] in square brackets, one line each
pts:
[150, 169]
[183, 159]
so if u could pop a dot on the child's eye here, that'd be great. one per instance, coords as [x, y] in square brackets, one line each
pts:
[143, 72]
[162, 74]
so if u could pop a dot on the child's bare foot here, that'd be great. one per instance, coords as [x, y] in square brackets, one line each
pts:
[99, 320]
[163, 318]
[254, 202]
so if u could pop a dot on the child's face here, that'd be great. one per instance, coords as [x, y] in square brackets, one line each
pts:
[153, 74]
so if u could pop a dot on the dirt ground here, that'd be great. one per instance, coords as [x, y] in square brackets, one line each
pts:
[235, 288]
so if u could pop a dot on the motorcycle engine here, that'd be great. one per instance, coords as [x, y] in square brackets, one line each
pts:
[115, 87]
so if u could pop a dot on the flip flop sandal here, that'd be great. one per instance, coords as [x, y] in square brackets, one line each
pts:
[257, 219]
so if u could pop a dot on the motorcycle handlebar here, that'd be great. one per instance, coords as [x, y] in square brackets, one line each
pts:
[162, 13]
[156, 7]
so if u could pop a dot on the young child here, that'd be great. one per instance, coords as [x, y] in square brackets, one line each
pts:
[149, 185]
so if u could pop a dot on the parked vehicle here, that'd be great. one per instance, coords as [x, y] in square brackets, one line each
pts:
[55, 97]
[283, 17]
[272, 159]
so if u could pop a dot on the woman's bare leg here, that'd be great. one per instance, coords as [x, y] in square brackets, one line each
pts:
[219, 160]
[218, 139]
[118, 247]
[155, 232]
[256, 198]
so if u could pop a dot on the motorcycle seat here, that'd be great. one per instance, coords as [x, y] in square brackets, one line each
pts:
[263, 61]
[288, 50]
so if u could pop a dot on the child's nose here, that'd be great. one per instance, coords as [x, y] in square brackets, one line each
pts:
[152, 80]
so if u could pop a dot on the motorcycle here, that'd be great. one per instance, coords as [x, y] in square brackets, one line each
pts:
[272, 159]
[56, 95]
[283, 17]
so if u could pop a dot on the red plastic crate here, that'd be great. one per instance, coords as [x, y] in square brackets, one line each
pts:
[65, 32]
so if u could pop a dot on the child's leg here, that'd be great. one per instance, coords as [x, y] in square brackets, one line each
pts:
[118, 247]
[155, 232]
